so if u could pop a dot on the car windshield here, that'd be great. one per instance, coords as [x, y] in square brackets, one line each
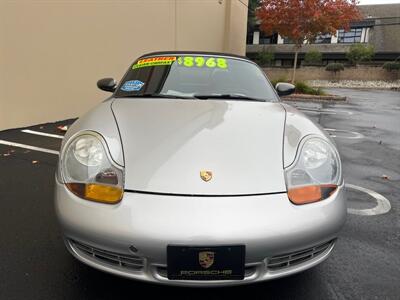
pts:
[198, 77]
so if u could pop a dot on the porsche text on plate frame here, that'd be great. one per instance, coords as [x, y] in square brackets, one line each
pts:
[194, 173]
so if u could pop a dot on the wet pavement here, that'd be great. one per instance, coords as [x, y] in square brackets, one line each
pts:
[365, 263]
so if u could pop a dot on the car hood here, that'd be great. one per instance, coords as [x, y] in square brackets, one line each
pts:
[168, 142]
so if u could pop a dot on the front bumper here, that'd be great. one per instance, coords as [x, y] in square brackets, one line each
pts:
[280, 238]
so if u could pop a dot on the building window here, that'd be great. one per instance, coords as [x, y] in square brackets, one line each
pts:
[287, 40]
[249, 38]
[323, 39]
[268, 39]
[352, 36]
[287, 63]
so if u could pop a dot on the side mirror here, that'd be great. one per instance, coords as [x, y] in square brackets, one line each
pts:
[107, 84]
[284, 88]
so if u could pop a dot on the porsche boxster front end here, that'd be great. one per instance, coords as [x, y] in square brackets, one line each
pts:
[194, 173]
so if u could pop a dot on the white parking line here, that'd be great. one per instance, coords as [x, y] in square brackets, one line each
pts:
[315, 111]
[383, 205]
[325, 111]
[353, 134]
[42, 133]
[7, 143]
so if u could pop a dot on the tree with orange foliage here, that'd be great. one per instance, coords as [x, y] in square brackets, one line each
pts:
[303, 20]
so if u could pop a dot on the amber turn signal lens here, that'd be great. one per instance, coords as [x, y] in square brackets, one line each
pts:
[311, 193]
[96, 192]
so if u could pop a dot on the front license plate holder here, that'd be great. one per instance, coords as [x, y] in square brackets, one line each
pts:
[206, 263]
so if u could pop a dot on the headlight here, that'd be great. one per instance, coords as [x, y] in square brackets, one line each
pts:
[88, 171]
[315, 174]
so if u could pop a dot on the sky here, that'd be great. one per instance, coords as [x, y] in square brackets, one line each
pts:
[378, 1]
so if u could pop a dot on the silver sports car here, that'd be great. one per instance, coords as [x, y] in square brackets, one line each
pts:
[195, 173]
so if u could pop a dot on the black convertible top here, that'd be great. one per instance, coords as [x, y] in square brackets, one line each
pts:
[192, 52]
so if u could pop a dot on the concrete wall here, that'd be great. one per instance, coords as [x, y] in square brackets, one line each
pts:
[289, 48]
[316, 73]
[53, 52]
[382, 36]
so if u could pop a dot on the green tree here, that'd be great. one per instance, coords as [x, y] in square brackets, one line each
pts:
[265, 58]
[251, 16]
[358, 53]
[313, 57]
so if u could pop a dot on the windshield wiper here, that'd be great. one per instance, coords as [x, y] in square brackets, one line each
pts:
[155, 96]
[202, 97]
[228, 96]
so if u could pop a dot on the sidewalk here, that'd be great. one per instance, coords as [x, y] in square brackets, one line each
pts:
[358, 84]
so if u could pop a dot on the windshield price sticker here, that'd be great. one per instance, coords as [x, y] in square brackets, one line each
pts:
[154, 61]
[200, 62]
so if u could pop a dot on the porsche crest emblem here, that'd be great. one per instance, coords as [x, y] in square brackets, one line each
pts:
[206, 259]
[206, 175]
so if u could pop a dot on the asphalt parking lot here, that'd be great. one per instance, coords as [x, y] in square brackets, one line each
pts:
[365, 264]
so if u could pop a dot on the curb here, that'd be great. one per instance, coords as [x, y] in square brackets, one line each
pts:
[358, 88]
[314, 98]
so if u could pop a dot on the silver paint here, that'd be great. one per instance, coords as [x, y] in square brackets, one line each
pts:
[297, 126]
[167, 142]
[268, 225]
[100, 119]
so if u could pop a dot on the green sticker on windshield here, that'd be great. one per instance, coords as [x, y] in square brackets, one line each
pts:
[154, 61]
[200, 62]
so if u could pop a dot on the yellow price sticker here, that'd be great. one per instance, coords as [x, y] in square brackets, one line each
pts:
[199, 62]
[154, 61]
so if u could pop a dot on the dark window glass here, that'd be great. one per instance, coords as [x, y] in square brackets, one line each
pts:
[202, 75]
[287, 41]
[352, 36]
[268, 39]
[249, 38]
[287, 63]
[323, 39]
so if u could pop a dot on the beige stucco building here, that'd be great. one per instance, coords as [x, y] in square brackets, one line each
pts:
[53, 52]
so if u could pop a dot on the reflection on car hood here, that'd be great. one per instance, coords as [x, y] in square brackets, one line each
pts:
[167, 143]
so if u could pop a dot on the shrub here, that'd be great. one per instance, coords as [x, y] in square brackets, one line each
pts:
[334, 67]
[313, 57]
[303, 88]
[265, 58]
[359, 52]
[391, 66]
